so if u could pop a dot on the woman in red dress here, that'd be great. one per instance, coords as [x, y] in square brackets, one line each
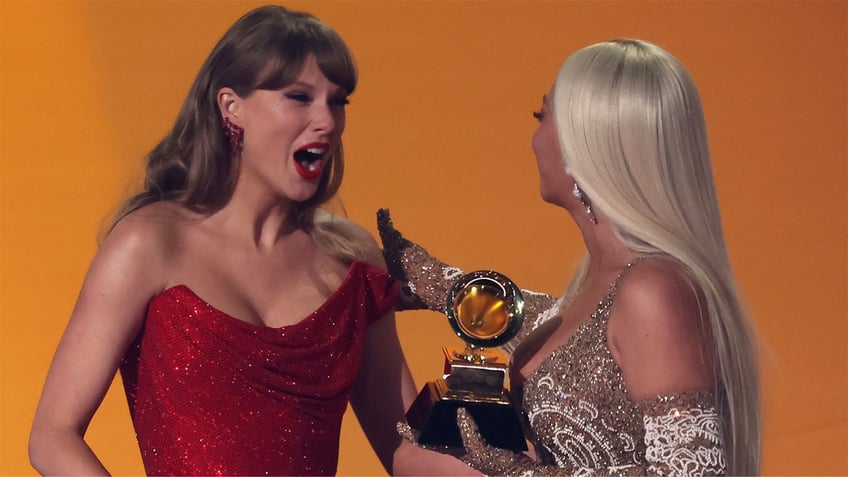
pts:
[243, 318]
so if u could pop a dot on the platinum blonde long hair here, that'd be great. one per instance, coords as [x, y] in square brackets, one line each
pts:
[632, 131]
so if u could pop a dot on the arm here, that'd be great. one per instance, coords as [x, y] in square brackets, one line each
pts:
[426, 280]
[385, 390]
[659, 333]
[106, 317]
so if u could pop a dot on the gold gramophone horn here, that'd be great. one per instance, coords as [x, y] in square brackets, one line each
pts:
[485, 308]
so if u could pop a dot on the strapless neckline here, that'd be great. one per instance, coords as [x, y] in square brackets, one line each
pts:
[182, 291]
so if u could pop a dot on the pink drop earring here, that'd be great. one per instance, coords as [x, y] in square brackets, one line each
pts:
[234, 135]
[583, 200]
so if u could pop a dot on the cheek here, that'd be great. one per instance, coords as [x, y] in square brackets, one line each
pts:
[341, 121]
[546, 150]
[556, 187]
[545, 139]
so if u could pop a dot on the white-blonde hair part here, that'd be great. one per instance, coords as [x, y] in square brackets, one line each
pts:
[632, 133]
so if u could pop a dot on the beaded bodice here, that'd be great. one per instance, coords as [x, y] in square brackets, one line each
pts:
[577, 405]
[580, 415]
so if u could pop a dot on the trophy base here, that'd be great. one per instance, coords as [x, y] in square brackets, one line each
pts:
[433, 414]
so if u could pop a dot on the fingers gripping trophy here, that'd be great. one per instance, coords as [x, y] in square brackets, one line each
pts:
[485, 309]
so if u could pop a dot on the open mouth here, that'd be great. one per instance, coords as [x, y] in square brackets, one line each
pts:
[309, 160]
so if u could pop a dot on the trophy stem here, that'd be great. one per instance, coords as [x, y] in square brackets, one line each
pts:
[480, 388]
[472, 354]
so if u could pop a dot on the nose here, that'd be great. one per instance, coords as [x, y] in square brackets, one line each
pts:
[534, 142]
[324, 119]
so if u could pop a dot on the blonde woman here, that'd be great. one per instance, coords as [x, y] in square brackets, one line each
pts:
[647, 365]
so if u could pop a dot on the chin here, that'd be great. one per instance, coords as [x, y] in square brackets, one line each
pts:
[301, 194]
[551, 198]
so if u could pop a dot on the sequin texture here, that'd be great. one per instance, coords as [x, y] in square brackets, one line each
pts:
[584, 423]
[212, 395]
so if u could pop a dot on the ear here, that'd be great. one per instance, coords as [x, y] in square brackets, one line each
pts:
[229, 103]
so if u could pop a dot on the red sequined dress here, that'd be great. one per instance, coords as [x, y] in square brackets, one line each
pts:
[212, 395]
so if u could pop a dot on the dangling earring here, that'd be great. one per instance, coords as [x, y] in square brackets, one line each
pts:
[583, 200]
[234, 135]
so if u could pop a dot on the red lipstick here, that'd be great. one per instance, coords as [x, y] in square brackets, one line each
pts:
[309, 160]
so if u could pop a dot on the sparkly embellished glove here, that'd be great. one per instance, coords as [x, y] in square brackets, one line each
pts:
[493, 460]
[426, 280]
[408, 433]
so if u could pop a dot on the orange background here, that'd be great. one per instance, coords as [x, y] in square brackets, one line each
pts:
[439, 131]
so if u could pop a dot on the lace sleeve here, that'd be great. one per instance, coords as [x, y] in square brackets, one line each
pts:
[683, 435]
[682, 438]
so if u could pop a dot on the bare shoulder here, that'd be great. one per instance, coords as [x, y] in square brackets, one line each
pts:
[130, 267]
[150, 230]
[358, 235]
[655, 290]
[146, 240]
[658, 330]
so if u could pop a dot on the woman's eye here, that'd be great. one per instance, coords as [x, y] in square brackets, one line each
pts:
[339, 103]
[299, 97]
[539, 115]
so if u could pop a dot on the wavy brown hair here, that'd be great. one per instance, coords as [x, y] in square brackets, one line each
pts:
[265, 49]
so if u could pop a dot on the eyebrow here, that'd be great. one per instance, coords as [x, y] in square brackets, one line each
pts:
[338, 91]
[301, 84]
